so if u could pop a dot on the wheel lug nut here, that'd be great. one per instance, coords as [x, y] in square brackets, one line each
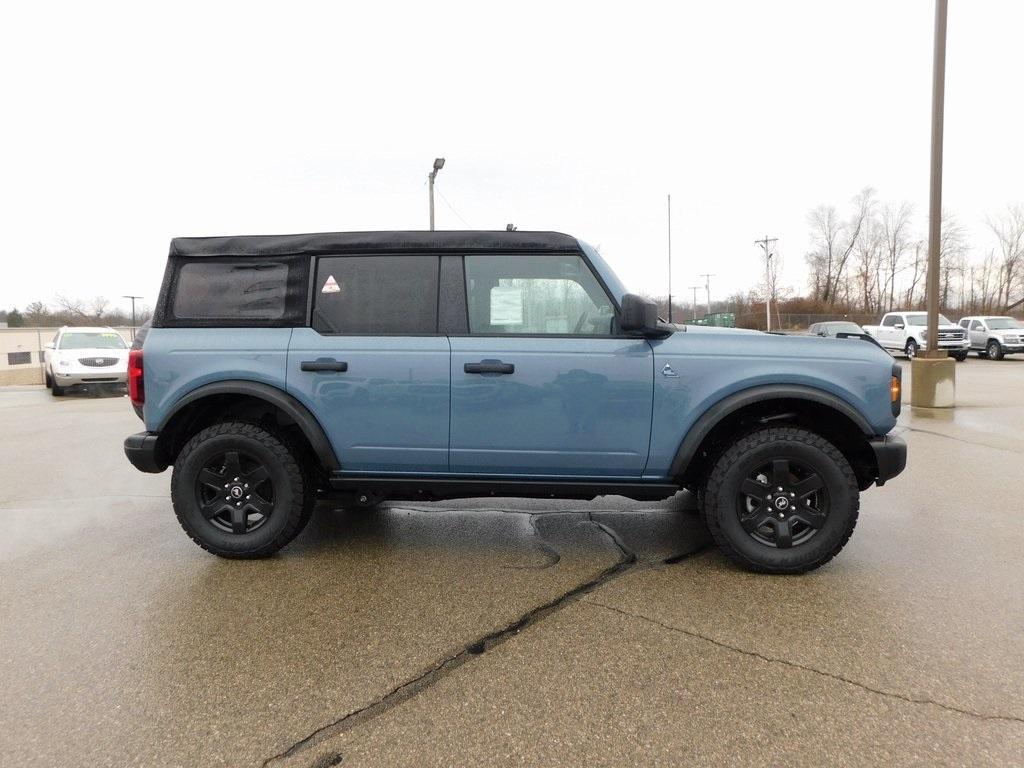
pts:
[236, 480]
[246, 485]
[792, 495]
[779, 488]
[248, 497]
[781, 515]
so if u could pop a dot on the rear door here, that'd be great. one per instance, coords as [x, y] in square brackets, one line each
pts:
[543, 385]
[372, 366]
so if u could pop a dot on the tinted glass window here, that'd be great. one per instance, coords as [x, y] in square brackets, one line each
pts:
[891, 320]
[536, 295]
[976, 325]
[231, 290]
[376, 294]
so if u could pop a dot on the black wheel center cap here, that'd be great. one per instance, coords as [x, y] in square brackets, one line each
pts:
[781, 503]
[236, 491]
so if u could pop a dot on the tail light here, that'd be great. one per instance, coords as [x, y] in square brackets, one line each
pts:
[136, 385]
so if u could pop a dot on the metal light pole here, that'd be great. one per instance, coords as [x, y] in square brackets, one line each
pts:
[438, 165]
[707, 286]
[935, 194]
[133, 298]
[694, 289]
[765, 244]
[670, 258]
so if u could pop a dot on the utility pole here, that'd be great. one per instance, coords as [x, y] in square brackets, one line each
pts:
[670, 258]
[438, 165]
[766, 244]
[133, 298]
[707, 286]
[694, 288]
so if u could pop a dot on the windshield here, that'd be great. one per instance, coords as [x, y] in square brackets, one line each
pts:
[97, 340]
[922, 319]
[844, 328]
[1002, 323]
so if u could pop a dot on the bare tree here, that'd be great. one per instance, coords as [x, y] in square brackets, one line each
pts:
[896, 229]
[834, 240]
[952, 255]
[1008, 228]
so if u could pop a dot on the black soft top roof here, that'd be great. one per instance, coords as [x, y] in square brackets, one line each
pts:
[336, 242]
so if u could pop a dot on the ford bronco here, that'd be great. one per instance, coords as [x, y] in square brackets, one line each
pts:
[436, 365]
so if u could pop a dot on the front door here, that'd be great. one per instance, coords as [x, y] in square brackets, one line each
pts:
[372, 367]
[978, 334]
[543, 385]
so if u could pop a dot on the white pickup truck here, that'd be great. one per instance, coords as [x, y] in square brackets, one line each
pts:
[907, 332]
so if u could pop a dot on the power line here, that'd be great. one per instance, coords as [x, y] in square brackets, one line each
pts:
[452, 208]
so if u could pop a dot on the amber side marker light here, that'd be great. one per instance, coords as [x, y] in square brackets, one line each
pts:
[896, 391]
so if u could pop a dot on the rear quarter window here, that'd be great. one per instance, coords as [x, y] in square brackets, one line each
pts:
[212, 290]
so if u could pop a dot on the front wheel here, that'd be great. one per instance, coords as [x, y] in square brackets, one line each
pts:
[994, 350]
[240, 492]
[910, 350]
[781, 500]
[959, 356]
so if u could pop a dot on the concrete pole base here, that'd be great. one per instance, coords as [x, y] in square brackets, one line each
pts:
[933, 382]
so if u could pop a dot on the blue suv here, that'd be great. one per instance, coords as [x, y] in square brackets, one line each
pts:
[436, 365]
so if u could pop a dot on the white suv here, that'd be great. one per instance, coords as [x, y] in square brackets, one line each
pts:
[993, 336]
[85, 356]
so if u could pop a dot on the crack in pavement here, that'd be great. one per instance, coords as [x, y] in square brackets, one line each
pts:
[421, 682]
[805, 668]
[962, 440]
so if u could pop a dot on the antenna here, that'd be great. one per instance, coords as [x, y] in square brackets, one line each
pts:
[670, 258]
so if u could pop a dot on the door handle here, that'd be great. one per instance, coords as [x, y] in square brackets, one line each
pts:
[489, 366]
[324, 365]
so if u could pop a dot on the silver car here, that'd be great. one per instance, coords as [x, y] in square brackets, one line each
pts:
[91, 356]
[993, 336]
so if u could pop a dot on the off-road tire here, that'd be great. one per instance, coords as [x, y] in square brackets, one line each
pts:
[994, 350]
[294, 489]
[732, 467]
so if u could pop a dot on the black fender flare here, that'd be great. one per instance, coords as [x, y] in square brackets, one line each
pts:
[278, 398]
[732, 403]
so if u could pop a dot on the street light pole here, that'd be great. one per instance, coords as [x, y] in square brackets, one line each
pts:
[766, 244]
[935, 193]
[133, 298]
[438, 165]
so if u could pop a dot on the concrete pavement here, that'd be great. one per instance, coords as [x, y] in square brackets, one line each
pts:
[508, 631]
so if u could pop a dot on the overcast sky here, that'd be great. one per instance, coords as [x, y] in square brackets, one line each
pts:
[125, 125]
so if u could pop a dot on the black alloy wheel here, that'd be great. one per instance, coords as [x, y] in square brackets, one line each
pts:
[241, 490]
[782, 504]
[234, 492]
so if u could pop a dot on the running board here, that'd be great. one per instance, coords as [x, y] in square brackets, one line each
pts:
[406, 488]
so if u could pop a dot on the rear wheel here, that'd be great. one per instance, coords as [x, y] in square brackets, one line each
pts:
[781, 500]
[239, 491]
[910, 350]
[994, 350]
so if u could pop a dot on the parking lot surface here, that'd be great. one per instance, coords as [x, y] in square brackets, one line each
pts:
[509, 632]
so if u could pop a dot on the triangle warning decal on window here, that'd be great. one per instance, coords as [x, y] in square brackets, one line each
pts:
[331, 286]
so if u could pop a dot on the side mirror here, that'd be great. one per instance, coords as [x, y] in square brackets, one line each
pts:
[639, 315]
[899, 326]
[48, 345]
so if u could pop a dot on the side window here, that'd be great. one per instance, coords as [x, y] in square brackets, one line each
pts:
[376, 295]
[964, 323]
[536, 294]
[890, 320]
[220, 290]
[977, 326]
